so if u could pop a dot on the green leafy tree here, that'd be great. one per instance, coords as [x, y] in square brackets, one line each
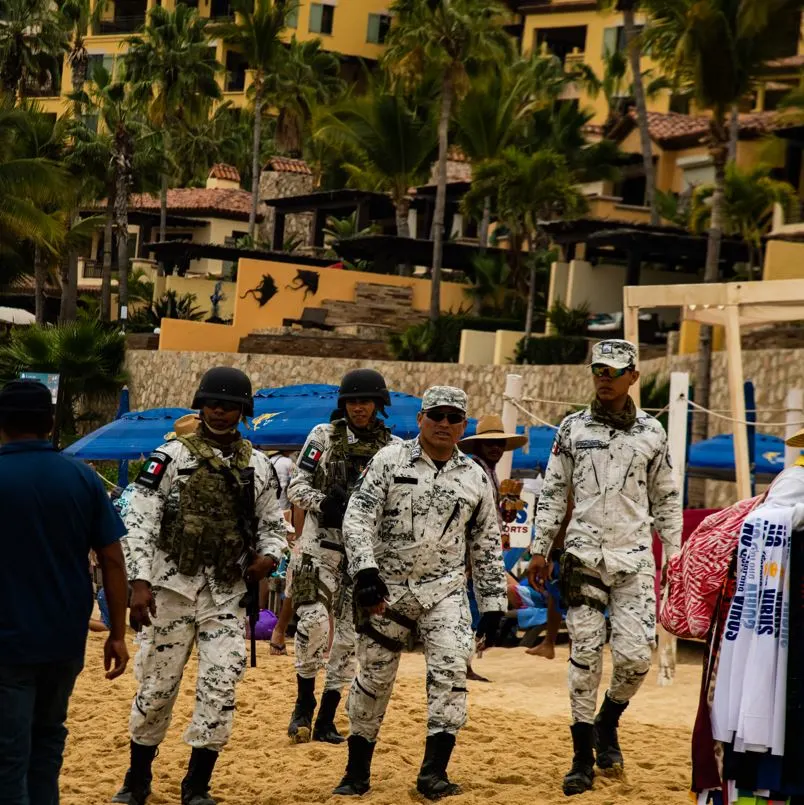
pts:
[716, 48]
[88, 357]
[32, 38]
[389, 143]
[80, 17]
[171, 305]
[447, 38]
[171, 71]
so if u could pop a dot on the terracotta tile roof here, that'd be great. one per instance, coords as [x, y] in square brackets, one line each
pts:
[456, 155]
[198, 202]
[226, 172]
[288, 165]
[667, 128]
[787, 61]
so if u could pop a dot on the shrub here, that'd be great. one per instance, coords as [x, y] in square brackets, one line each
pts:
[552, 349]
[569, 321]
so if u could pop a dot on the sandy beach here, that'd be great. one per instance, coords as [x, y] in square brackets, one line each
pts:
[514, 749]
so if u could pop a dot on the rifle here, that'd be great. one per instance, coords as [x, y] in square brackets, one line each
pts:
[248, 528]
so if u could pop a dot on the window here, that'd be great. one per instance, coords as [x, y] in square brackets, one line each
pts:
[292, 18]
[321, 18]
[562, 41]
[378, 27]
[100, 60]
[614, 38]
[236, 67]
[680, 103]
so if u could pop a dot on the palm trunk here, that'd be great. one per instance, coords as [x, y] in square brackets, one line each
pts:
[719, 152]
[447, 91]
[122, 184]
[734, 132]
[69, 282]
[402, 208]
[635, 60]
[531, 288]
[163, 191]
[40, 277]
[106, 274]
[485, 222]
[255, 163]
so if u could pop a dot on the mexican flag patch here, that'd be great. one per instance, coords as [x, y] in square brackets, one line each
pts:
[311, 456]
[153, 470]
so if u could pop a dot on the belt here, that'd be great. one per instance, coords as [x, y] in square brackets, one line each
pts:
[332, 546]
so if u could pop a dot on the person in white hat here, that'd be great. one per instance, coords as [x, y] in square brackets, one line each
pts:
[613, 460]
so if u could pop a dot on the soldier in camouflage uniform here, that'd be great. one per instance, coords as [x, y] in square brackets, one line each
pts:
[613, 459]
[421, 506]
[191, 515]
[329, 465]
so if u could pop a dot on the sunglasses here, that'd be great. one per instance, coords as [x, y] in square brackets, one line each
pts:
[440, 416]
[225, 405]
[609, 371]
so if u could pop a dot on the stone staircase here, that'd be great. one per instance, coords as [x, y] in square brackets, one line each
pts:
[388, 306]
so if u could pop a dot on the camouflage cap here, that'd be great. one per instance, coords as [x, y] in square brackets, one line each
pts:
[615, 352]
[447, 396]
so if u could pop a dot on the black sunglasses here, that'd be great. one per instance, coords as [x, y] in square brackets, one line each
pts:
[225, 405]
[440, 416]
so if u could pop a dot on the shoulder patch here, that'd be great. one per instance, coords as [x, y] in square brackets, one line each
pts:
[153, 470]
[310, 457]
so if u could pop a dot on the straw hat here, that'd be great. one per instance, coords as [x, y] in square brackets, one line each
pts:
[491, 427]
[186, 425]
[796, 440]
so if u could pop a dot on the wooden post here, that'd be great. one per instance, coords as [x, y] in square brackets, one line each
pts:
[513, 389]
[677, 442]
[631, 333]
[734, 356]
[794, 417]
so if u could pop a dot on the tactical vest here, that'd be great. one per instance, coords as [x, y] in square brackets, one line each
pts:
[204, 530]
[346, 462]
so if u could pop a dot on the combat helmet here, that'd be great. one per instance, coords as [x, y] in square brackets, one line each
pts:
[225, 383]
[367, 384]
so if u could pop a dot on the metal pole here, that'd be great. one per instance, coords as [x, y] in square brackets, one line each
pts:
[794, 418]
[751, 430]
[513, 390]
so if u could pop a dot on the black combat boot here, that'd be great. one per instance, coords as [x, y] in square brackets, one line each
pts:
[607, 747]
[580, 776]
[195, 785]
[325, 729]
[432, 782]
[357, 779]
[302, 719]
[137, 783]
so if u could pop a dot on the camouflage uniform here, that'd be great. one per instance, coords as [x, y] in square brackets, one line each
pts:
[322, 551]
[202, 606]
[622, 487]
[415, 523]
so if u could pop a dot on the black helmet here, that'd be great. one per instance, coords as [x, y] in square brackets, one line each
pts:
[26, 395]
[364, 384]
[225, 383]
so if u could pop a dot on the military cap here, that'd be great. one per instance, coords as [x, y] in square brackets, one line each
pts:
[615, 352]
[447, 396]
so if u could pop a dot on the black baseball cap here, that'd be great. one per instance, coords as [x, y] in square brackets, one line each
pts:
[25, 395]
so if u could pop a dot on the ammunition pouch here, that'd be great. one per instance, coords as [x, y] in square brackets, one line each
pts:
[307, 587]
[574, 578]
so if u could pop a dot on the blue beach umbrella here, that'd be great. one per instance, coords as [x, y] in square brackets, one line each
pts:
[714, 458]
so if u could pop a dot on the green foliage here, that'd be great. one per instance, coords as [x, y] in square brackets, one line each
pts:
[569, 321]
[89, 358]
[493, 290]
[552, 350]
[170, 305]
[440, 341]
[654, 395]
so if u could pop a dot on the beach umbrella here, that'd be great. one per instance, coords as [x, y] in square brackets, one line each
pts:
[284, 416]
[714, 458]
[16, 315]
[131, 437]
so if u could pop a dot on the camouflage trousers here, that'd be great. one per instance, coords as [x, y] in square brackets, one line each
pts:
[165, 648]
[446, 630]
[631, 603]
[313, 627]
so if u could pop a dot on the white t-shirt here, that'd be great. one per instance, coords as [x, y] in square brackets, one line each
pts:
[284, 470]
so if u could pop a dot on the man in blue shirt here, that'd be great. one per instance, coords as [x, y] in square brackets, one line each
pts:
[54, 511]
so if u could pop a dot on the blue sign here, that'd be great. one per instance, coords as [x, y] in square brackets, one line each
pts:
[49, 380]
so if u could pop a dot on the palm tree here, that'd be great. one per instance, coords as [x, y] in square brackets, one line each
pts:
[717, 48]
[389, 144]
[445, 37]
[171, 71]
[529, 189]
[749, 198]
[89, 358]
[628, 9]
[32, 38]
[79, 17]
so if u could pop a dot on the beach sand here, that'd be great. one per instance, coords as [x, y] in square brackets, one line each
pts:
[515, 747]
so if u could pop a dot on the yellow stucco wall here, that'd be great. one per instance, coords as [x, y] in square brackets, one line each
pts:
[784, 260]
[197, 336]
[689, 334]
[595, 23]
[249, 315]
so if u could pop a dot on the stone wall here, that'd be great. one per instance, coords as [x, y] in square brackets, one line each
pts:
[169, 378]
[281, 184]
[311, 344]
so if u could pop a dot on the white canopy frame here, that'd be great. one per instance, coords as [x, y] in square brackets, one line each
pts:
[732, 305]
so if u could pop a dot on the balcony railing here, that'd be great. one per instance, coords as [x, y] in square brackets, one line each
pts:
[93, 270]
[121, 25]
[32, 89]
